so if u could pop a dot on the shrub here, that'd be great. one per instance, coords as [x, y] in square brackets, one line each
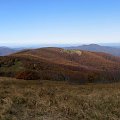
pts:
[27, 75]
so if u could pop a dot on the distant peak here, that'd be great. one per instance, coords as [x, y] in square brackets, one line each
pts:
[93, 45]
[3, 47]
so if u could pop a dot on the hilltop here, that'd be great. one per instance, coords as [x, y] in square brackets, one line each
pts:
[60, 64]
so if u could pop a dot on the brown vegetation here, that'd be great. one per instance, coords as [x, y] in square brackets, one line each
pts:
[27, 75]
[45, 100]
[59, 64]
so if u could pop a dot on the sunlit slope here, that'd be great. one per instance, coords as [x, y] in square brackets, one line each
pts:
[73, 57]
[60, 64]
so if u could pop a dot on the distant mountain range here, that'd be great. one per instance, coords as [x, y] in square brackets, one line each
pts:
[97, 48]
[6, 51]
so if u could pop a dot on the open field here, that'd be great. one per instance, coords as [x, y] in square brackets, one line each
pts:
[51, 100]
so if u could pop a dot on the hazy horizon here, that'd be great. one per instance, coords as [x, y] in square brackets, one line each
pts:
[30, 23]
[116, 45]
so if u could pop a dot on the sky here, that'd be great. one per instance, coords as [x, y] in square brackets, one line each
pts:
[36, 22]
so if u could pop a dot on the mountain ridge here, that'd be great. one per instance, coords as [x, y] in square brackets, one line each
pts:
[98, 48]
[6, 51]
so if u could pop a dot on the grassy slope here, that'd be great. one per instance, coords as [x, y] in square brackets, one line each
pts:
[46, 100]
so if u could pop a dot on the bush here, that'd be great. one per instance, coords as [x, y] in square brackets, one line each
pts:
[27, 75]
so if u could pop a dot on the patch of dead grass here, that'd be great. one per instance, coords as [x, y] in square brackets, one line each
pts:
[51, 100]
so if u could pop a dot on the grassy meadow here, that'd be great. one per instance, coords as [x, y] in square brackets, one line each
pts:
[52, 100]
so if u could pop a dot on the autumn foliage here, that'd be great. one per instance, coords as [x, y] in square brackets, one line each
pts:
[27, 75]
[59, 64]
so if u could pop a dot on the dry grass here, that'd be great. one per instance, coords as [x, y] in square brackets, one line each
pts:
[50, 100]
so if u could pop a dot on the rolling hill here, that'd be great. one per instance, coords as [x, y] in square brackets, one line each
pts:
[60, 64]
[6, 51]
[97, 48]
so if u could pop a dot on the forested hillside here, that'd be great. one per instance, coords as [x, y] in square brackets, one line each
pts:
[59, 64]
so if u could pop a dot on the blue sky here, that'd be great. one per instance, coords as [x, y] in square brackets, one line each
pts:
[34, 22]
